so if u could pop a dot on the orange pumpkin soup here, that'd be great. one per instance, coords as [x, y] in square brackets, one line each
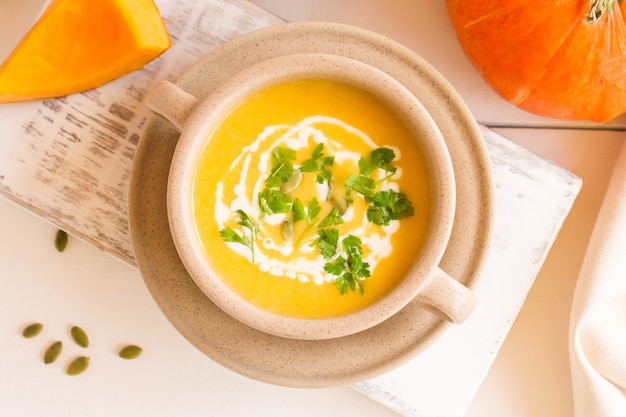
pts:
[312, 199]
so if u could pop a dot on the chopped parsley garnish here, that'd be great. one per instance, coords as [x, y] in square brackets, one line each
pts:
[277, 198]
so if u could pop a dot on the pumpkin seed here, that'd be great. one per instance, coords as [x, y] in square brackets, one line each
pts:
[336, 198]
[53, 352]
[339, 202]
[286, 229]
[60, 240]
[78, 365]
[331, 189]
[32, 330]
[130, 352]
[79, 336]
[292, 183]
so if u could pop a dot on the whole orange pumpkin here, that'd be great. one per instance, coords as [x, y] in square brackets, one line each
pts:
[564, 59]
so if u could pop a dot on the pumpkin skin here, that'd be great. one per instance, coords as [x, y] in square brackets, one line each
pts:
[553, 58]
[77, 45]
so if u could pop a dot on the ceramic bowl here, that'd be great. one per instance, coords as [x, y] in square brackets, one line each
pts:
[197, 119]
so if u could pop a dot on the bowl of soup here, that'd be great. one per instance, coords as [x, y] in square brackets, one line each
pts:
[311, 196]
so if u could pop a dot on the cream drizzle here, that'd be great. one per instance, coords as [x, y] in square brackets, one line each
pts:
[376, 245]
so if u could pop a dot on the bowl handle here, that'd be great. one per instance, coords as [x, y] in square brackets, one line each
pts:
[447, 297]
[171, 102]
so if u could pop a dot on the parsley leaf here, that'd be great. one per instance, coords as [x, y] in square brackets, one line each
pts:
[352, 246]
[230, 235]
[352, 270]
[246, 221]
[348, 281]
[281, 155]
[383, 206]
[378, 158]
[310, 214]
[327, 242]
[333, 218]
[389, 205]
[273, 201]
[361, 184]
[336, 267]
[319, 163]
[313, 209]
[282, 168]
[310, 165]
[297, 208]
[318, 151]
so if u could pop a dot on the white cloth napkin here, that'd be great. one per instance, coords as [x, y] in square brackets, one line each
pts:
[598, 319]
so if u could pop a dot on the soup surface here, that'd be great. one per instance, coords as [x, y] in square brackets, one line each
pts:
[311, 199]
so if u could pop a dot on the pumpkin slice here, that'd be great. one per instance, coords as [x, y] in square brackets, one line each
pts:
[78, 45]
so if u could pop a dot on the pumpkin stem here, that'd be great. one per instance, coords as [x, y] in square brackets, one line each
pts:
[598, 8]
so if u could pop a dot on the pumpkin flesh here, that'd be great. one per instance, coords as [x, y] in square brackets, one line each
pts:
[548, 57]
[78, 45]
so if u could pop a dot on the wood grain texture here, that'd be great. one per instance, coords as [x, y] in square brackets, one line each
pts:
[69, 159]
[533, 198]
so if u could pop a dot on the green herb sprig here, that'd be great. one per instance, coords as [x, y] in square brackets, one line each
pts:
[319, 163]
[352, 270]
[383, 206]
[272, 201]
[230, 235]
[389, 205]
[282, 167]
[308, 214]
[327, 242]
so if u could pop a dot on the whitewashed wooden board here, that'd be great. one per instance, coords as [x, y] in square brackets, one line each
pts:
[68, 160]
[533, 198]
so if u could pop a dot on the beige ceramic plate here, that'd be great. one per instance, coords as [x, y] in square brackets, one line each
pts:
[293, 362]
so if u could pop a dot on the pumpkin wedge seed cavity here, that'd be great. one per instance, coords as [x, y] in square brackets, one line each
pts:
[130, 352]
[78, 365]
[32, 330]
[79, 336]
[53, 352]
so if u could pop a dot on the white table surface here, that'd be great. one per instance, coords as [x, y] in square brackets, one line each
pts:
[529, 378]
